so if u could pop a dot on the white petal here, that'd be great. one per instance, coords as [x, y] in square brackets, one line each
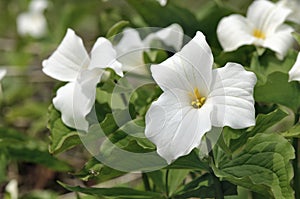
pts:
[281, 41]
[188, 69]
[174, 126]
[32, 24]
[130, 49]
[294, 5]
[2, 73]
[294, 73]
[69, 58]
[232, 97]
[163, 2]
[234, 31]
[171, 36]
[267, 16]
[76, 99]
[103, 55]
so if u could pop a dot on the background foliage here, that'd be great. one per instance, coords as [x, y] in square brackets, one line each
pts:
[257, 162]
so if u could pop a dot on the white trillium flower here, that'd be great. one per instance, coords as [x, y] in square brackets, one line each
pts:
[71, 63]
[264, 26]
[195, 98]
[163, 2]
[131, 47]
[294, 5]
[33, 22]
[294, 73]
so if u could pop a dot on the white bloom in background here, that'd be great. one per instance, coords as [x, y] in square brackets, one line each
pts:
[12, 189]
[71, 63]
[33, 22]
[163, 2]
[2, 73]
[131, 47]
[294, 73]
[294, 5]
[195, 98]
[264, 26]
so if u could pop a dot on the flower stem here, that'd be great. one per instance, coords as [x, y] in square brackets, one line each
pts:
[217, 183]
[218, 186]
[146, 182]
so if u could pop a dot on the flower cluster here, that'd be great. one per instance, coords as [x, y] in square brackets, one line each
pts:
[195, 98]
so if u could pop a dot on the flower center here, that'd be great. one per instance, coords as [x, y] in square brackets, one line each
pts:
[198, 100]
[259, 34]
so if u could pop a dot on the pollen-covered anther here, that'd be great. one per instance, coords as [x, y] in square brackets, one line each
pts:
[198, 103]
[259, 34]
[198, 100]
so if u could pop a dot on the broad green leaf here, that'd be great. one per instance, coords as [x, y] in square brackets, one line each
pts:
[120, 192]
[294, 132]
[190, 161]
[116, 29]
[267, 64]
[277, 90]
[263, 166]
[176, 179]
[167, 15]
[95, 170]
[38, 157]
[204, 187]
[62, 138]
[263, 122]
[175, 182]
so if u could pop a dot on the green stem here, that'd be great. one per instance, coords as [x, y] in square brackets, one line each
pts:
[146, 182]
[218, 186]
[167, 183]
[217, 183]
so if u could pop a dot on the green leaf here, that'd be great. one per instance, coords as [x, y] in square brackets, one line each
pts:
[277, 90]
[120, 192]
[38, 157]
[116, 29]
[176, 179]
[190, 161]
[263, 122]
[94, 169]
[294, 132]
[62, 138]
[167, 15]
[263, 166]
[204, 187]
[296, 35]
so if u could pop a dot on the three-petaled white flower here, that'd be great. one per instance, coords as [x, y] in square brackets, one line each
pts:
[195, 98]
[131, 47]
[294, 73]
[33, 22]
[71, 63]
[264, 26]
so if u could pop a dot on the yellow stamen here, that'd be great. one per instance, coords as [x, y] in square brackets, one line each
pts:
[198, 100]
[259, 34]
